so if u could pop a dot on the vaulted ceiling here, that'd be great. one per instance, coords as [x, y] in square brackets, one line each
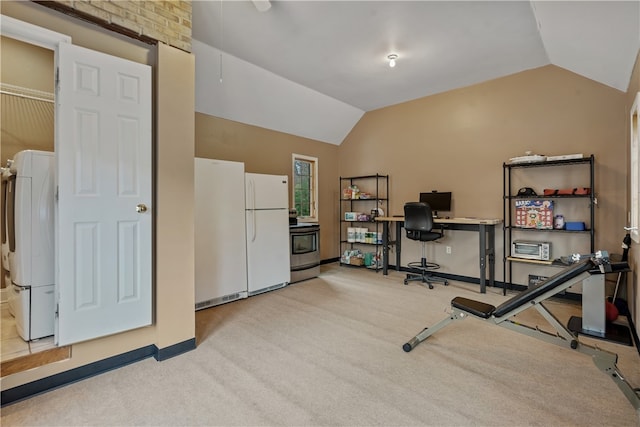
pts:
[332, 55]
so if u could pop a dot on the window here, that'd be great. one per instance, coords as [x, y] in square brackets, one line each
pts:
[634, 220]
[305, 187]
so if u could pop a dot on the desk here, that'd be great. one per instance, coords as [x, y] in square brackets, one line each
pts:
[482, 226]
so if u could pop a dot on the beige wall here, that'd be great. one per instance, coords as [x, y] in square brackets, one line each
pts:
[174, 185]
[173, 150]
[31, 67]
[26, 65]
[267, 151]
[457, 141]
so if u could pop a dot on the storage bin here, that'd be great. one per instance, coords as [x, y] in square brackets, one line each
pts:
[575, 226]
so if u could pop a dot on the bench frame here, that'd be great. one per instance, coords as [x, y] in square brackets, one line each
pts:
[461, 308]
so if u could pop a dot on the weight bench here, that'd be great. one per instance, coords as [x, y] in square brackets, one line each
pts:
[461, 308]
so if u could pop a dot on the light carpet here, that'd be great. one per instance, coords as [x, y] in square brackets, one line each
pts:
[327, 352]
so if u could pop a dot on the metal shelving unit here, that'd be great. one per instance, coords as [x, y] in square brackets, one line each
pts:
[378, 187]
[509, 197]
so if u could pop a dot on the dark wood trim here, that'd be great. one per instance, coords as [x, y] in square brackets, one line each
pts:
[34, 360]
[69, 11]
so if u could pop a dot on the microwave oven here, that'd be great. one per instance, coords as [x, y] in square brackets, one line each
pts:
[531, 250]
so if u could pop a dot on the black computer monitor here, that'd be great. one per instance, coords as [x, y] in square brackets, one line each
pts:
[439, 201]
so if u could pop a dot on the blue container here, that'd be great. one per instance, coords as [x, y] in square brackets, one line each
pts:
[575, 226]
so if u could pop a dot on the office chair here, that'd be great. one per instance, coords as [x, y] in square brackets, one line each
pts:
[418, 224]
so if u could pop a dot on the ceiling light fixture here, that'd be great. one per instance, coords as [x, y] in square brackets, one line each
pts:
[392, 60]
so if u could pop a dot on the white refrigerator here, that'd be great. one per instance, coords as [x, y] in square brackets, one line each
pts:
[267, 225]
[220, 241]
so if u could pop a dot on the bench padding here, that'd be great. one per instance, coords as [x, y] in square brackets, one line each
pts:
[477, 308]
[542, 287]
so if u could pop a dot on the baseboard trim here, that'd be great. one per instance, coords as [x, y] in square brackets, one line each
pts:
[43, 385]
[175, 350]
[329, 261]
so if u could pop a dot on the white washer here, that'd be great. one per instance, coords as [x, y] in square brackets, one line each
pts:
[34, 309]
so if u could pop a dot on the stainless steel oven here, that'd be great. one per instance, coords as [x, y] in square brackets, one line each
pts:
[305, 251]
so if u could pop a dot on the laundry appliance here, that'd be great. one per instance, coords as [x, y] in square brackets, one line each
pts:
[31, 263]
[8, 180]
[267, 224]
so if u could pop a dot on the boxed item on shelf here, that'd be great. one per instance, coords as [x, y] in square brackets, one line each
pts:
[352, 257]
[356, 261]
[351, 216]
[534, 214]
[565, 157]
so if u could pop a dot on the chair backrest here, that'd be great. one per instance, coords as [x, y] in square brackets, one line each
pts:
[417, 217]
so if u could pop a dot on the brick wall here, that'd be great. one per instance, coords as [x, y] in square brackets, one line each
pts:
[150, 21]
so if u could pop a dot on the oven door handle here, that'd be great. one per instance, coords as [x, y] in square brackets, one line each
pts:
[305, 266]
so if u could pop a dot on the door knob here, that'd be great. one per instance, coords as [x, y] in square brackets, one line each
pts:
[141, 208]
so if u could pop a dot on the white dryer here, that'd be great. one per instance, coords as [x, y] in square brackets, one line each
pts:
[7, 214]
[31, 264]
[8, 181]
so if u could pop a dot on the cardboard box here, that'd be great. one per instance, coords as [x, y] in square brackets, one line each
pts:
[351, 216]
[534, 214]
[356, 261]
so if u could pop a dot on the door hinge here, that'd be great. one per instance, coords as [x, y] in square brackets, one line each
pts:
[57, 190]
[57, 80]
[57, 313]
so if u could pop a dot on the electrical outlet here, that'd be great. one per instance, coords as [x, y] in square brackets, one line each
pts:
[448, 250]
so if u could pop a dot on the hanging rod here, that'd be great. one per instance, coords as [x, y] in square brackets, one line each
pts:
[27, 96]
[23, 92]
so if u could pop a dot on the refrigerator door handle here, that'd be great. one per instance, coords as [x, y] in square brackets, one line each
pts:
[255, 227]
[252, 221]
[252, 195]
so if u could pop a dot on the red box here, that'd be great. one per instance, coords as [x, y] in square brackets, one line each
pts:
[534, 214]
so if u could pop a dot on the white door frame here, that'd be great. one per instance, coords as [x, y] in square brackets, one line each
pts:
[32, 34]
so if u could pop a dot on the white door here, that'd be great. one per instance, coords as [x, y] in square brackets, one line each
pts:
[103, 152]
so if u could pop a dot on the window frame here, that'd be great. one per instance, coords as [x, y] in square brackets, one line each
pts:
[634, 169]
[313, 217]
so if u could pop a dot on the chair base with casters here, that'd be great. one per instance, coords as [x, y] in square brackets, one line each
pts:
[425, 275]
[418, 224]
